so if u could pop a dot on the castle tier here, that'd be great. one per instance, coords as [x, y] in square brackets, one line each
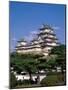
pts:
[45, 41]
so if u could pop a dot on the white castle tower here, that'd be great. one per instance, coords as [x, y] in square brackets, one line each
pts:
[47, 39]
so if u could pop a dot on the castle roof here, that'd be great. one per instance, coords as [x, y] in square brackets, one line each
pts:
[48, 37]
[44, 33]
[22, 40]
[46, 26]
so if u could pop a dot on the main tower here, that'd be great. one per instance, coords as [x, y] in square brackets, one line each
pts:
[47, 39]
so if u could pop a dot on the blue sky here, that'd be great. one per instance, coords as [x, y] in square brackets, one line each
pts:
[27, 18]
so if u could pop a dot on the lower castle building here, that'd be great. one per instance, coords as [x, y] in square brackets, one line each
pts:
[42, 44]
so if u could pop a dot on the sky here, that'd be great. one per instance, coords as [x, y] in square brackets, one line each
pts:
[26, 18]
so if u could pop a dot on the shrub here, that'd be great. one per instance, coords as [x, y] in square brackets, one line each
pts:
[52, 80]
[53, 73]
[19, 82]
[25, 82]
[13, 81]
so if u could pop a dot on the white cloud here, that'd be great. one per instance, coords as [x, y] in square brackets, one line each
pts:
[56, 27]
[13, 39]
[33, 32]
[31, 35]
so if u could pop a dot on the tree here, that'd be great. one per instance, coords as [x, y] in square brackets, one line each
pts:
[28, 62]
[23, 63]
[40, 64]
[60, 51]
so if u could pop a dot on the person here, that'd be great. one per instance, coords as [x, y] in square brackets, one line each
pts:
[23, 78]
[36, 80]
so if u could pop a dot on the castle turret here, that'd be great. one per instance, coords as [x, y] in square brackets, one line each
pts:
[21, 45]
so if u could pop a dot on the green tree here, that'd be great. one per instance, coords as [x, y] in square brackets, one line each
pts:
[40, 64]
[23, 63]
[60, 51]
[28, 62]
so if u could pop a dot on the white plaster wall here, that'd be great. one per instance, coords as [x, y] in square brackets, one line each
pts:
[22, 77]
[52, 44]
[37, 50]
[23, 43]
[48, 30]
[42, 76]
[19, 51]
[49, 39]
[22, 51]
[46, 54]
[48, 48]
[35, 42]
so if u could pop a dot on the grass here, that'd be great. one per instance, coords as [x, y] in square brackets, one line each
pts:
[53, 80]
[28, 86]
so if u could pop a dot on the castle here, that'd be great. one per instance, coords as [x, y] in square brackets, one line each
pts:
[42, 44]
